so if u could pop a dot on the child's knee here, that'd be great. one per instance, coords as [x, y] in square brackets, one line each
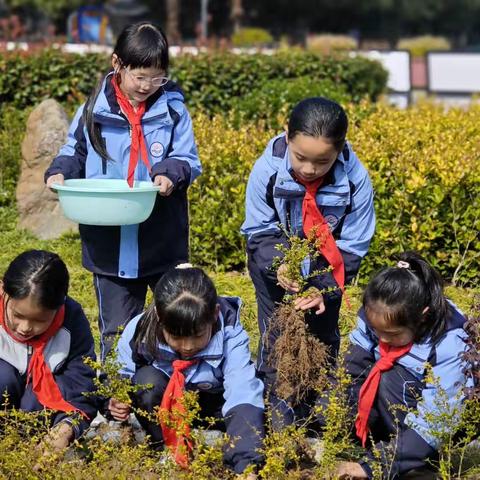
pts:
[154, 382]
[11, 384]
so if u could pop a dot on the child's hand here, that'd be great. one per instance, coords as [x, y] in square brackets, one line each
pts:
[285, 282]
[165, 184]
[58, 438]
[248, 476]
[57, 178]
[314, 300]
[120, 411]
[351, 470]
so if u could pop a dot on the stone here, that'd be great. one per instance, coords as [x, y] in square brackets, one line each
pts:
[38, 207]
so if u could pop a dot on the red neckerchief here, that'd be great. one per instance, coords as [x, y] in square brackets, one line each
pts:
[313, 218]
[368, 392]
[176, 432]
[43, 382]
[138, 140]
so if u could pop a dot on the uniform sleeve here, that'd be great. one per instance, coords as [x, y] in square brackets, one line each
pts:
[125, 354]
[243, 409]
[181, 164]
[359, 358]
[71, 158]
[357, 227]
[261, 225]
[75, 377]
[420, 437]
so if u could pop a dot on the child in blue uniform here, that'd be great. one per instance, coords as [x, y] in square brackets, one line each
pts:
[44, 337]
[307, 177]
[191, 332]
[405, 323]
[134, 126]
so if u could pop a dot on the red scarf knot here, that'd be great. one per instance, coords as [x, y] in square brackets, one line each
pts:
[39, 374]
[388, 356]
[176, 431]
[313, 219]
[134, 118]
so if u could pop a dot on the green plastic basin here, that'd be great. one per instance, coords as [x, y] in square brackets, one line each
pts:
[93, 201]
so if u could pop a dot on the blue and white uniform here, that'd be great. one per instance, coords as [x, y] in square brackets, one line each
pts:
[64, 355]
[126, 259]
[425, 392]
[224, 377]
[274, 199]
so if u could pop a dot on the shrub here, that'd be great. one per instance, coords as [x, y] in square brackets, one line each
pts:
[326, 44]
[419, 46]
[212, 82]
[425, 167]
[251, 37]
[274, 100]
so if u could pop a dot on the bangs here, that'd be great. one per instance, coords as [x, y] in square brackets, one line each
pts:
[147, 49]
[186, 319]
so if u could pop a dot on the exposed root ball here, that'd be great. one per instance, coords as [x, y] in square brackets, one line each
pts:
[299, 357]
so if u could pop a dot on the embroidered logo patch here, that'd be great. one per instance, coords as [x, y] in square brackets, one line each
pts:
[204, 386]
[332, 221]
[156, 149]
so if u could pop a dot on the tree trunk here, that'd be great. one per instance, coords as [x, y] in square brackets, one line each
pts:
[173, 16]
[236, 14]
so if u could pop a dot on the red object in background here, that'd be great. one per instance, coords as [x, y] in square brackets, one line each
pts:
[418, 67]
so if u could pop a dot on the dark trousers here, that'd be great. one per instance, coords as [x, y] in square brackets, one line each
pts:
[324, 327]
[210, 403]
[119, 300]
[14, 389]
[398, 391]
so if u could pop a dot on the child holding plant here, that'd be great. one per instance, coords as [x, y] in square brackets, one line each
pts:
[134, 126]
[189, 338]
[405, 354]
[308, 182]
[44, 337]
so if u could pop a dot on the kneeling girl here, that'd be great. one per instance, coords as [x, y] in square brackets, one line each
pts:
[189, 337]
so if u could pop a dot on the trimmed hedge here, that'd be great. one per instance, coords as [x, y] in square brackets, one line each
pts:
[425, 168]
[212, 82]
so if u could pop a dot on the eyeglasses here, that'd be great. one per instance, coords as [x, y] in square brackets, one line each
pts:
[142, 79]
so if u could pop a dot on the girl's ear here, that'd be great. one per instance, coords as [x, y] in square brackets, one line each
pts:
[1, 287]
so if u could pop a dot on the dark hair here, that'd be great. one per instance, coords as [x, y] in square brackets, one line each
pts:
[406, 291]
[39, 273]
[319, 117]
[141, 45]
[184, 303]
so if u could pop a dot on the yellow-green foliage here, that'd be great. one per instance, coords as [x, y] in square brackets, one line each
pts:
[251, 37]
[326, 43]
[419, 46]
[217, 196]
[425, 167]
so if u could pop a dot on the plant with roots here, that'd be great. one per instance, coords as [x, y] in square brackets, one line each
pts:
[298, 356]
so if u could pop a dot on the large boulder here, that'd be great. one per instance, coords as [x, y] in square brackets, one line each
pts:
[38, 207]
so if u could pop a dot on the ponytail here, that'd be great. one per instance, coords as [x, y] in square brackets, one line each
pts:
[412, 295]
[93, 128]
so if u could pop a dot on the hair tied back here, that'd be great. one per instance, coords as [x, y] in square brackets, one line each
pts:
[403, 264]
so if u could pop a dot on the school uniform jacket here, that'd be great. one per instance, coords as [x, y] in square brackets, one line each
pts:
[132, 251]
[416, 442]
[274, 200]
[224, 366]
[64, 355]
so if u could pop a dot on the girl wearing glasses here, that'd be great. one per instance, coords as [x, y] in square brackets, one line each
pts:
[134, 126]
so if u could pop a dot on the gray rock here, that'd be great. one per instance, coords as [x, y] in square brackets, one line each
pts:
[38, 207]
